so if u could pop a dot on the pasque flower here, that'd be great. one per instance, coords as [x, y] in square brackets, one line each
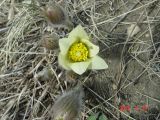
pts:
[77, 53]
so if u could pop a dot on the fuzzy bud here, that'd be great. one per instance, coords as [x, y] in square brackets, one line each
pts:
[56, 16]
[50, 41]
[69, 105]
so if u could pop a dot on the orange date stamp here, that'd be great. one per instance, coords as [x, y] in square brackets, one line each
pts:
[128, 108]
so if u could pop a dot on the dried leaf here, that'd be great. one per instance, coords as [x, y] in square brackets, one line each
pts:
[133, 30]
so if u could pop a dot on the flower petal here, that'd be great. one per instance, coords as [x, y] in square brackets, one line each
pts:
[98, 63]
[78, 33]
[93, 49]
[62, 60]
[64, 45]
[80, 67]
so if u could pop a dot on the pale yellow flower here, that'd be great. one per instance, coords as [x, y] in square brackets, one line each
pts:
[77, 53]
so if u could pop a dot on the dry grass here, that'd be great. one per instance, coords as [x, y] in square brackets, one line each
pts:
[28, 94]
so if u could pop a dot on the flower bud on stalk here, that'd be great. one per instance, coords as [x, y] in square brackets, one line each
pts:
[50, 42]
[56, 15]
[69, 105]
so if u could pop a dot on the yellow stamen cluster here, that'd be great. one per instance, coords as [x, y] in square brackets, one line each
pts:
[78, 52]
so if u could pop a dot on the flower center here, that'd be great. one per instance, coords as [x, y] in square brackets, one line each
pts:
[78, 52]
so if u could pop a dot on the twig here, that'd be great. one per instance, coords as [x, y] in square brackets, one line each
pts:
[103, 22]
[2, 30]
[123, 17]
[11, 10]
[149, 97]
[107, 103]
